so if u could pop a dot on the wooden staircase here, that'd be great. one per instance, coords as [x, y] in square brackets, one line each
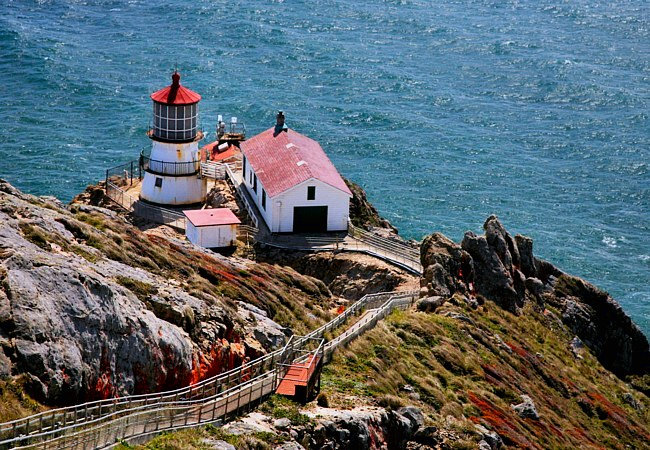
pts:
[301, 380]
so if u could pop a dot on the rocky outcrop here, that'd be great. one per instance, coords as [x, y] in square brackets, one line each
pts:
[602, 325]
[359, 428]
[362, 213]
[447, 267]
[503, 269]
[348, 275]
[90, 307]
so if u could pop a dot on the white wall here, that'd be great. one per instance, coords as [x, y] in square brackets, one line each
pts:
[337, 202]
[192, 233]
[174, 190]
[279, 210]
[267, 214]
[211, 236]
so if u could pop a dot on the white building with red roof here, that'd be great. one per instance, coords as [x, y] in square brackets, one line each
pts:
[211, 227]
[293, 183]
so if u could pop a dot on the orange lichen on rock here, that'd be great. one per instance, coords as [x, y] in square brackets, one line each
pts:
[222, 357]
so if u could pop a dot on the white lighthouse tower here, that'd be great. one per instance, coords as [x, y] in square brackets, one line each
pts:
[173, 166]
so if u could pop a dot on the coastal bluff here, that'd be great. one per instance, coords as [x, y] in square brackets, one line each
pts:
[498, 345]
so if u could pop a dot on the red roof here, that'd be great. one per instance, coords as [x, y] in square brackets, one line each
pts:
[210, 217]
[213, 153]
[283, 160]
[175, 94]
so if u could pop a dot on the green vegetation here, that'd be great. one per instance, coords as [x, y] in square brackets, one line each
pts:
[458, 367]
[278, 406]
[141, 289]
[14, 402]
[199, 439]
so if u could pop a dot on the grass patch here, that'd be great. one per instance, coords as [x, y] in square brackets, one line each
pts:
[14, 402]
[279, 407]
[141, 289]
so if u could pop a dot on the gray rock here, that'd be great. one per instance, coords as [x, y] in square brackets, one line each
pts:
[492, 265]
[414, 415]
[526, 409]
[282, 423]
[536, 287]
[447, 267]
[576, 347]
[290, 446]
[633, 402]
[458, 316]
[526, 259]
[493, 440]
[483, 445]
[218, 444]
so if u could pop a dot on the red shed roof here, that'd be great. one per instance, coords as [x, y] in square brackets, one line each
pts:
[175, 94]
[284, 159]
[211, 217]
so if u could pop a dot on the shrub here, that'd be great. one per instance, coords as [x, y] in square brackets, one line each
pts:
[322, 400]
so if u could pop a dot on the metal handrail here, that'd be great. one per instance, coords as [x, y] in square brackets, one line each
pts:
[199, 389]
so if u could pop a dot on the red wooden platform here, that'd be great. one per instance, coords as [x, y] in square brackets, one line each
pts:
[299, 374]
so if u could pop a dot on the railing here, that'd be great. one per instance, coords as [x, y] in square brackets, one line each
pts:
[160, 215]
[213, 170]
[241, 195]
[393, 250]
[149, 212]
[118, 195]
[169, 168]
[103, 421]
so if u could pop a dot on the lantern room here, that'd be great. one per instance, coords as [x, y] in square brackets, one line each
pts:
[175, 113]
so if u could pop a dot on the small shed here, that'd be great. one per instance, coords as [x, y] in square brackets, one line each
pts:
[211, 227]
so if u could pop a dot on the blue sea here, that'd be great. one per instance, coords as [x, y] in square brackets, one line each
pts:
[445, 112]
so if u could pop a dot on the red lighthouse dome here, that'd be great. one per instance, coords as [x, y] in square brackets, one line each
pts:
[175, 113]
[175, 93]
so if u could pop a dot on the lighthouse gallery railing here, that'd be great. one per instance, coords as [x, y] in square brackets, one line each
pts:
[174, 169]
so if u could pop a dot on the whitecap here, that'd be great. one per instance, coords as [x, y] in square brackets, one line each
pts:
[609, 241]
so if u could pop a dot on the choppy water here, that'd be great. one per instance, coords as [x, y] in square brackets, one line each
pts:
[446, 111]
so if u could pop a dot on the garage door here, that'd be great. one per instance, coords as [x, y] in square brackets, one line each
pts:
[309, 219]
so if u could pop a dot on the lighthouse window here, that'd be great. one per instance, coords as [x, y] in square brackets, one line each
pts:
[311, 192]
[158, 182]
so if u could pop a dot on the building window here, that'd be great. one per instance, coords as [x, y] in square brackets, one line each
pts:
[311, 192]
[158, 182]
[252, 174]
[243, 166]
[255, 183]
[263, 199]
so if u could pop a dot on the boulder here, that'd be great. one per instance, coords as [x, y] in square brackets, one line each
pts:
[217, 444]
[526, 409]
[282, 424]
[602, 325]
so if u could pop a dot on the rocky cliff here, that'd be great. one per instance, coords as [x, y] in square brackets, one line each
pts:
[91, 307]
[501, 268]
[503, 349]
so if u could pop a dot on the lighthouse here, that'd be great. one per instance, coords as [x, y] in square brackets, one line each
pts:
[173, 166]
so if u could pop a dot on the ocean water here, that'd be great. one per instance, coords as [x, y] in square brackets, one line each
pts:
[445, 112]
